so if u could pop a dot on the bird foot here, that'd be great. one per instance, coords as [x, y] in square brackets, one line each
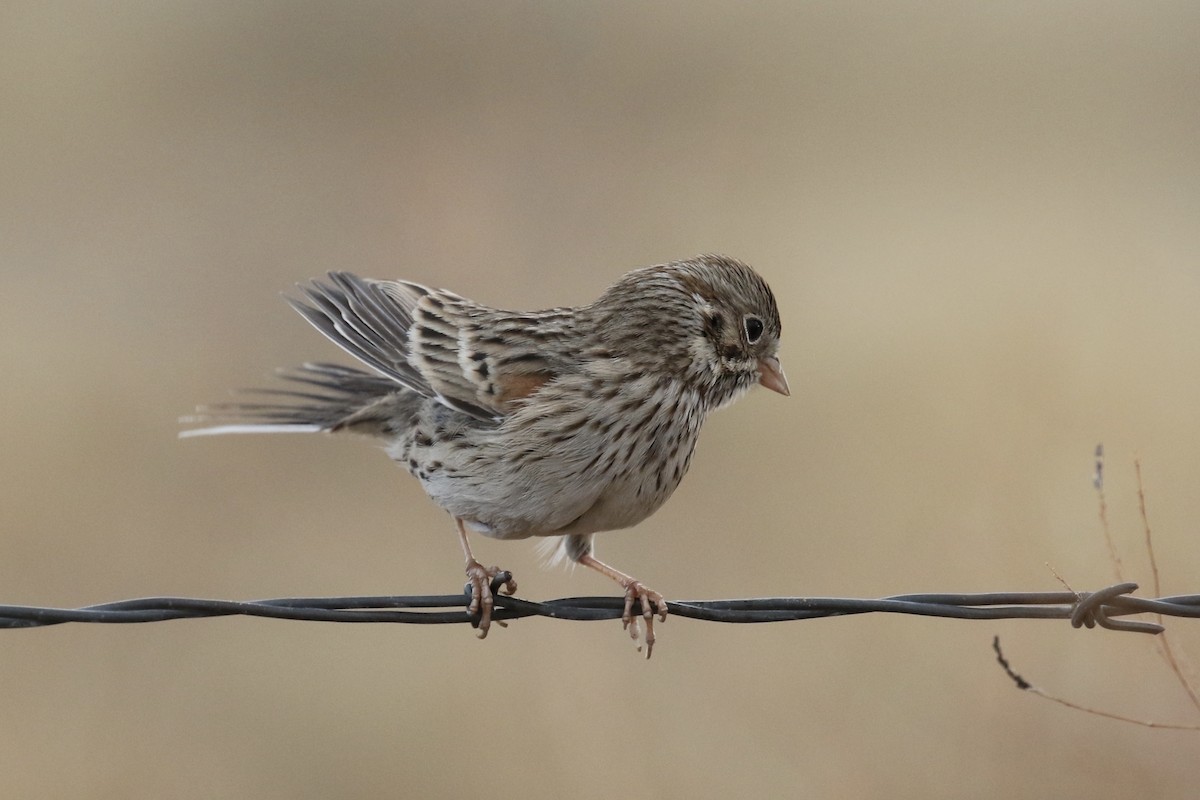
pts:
[483, 581]
[650, 601]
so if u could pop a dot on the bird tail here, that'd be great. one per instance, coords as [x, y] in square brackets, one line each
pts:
[330, 397]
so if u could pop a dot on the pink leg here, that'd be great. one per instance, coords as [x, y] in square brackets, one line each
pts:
[634, 589]
[481, 588]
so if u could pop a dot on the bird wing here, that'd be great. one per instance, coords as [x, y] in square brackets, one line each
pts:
[474, 359]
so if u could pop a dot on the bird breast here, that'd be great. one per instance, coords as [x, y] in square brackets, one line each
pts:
[581, 456]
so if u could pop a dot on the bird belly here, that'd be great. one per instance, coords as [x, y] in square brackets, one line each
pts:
[580, 470]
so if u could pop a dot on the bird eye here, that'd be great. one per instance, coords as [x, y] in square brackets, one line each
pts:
[754, 328]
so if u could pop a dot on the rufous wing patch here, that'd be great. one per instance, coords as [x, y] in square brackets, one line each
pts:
[512, 389]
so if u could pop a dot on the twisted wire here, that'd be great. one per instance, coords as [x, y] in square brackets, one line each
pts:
[1105, 607]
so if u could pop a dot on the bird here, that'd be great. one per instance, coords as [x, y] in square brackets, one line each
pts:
[561, 423]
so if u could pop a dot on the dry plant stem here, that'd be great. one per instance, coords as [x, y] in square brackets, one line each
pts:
[1165, 648]
[1060, 579]
[1141, 490]
[1025, 685]
[1164, 643]
[1113, 555]
[634, 589]
[1143, 722]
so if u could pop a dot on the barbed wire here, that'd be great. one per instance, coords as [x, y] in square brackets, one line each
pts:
[1104, 607]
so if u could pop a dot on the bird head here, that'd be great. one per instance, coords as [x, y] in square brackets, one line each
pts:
[739, 328]
[711, 321]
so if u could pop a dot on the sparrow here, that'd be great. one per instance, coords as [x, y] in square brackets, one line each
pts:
[559, 423]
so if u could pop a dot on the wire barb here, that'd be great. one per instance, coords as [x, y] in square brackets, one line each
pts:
[1087, 609]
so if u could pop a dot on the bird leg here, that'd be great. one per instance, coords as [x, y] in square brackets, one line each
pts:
[634, 590]
[481, 578]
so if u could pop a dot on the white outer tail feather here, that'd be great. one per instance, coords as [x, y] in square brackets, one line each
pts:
[221, 430]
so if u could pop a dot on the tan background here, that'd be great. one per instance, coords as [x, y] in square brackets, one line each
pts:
[981, 221]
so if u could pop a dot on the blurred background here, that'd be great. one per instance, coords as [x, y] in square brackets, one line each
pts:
[980, 221]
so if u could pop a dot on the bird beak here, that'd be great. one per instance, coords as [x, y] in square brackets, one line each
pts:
[772, 375]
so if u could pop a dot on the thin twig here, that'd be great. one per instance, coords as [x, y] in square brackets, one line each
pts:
[1141, 493]
[1165, 644]
[1025, 685]
[1098, 482]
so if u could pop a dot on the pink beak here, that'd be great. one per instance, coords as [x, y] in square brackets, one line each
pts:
[772, 375]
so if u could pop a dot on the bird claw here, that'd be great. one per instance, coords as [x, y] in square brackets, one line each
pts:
[483, 583]
[649, 600]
